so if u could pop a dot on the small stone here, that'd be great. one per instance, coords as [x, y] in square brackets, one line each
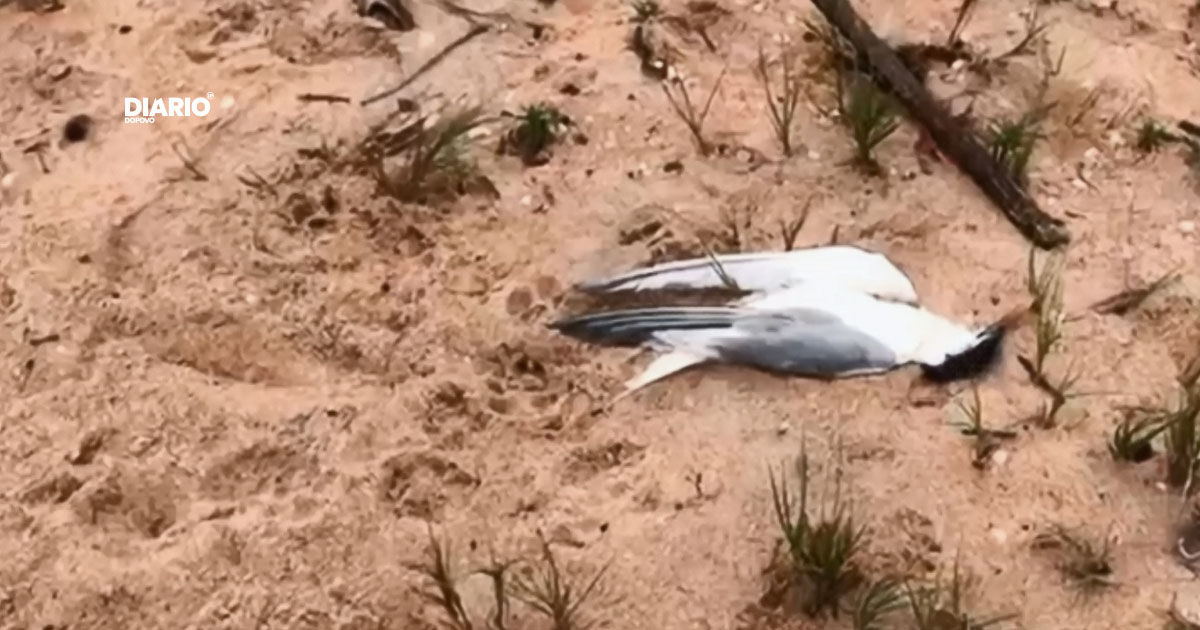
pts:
[228, 102]
[519, 300]
[1079, 184]
[1000, 457]
[783, 427]
[58, 71]
[8, 181]
[1092, 154]
[814, 155]
[1187, 227]
[998, 535]
[547, 287]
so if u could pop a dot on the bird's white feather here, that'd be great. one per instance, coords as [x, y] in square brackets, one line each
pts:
[844, 265]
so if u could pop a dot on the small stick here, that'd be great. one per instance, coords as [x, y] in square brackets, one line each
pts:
[1129, 299]
[475, 31]
[188, 162]
[322, 98]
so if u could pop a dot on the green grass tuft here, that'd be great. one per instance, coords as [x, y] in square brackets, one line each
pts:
[872, 118]
[1012, 142]
[822, 545]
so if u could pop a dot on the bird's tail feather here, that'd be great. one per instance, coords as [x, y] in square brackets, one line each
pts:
[631, 327]
[661, 367]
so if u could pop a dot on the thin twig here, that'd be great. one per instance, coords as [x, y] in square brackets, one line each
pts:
[687, 111]
[322, 98]
[476, 30]
[188, 162]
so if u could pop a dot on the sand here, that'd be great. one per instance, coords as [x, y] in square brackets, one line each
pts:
[240, 385]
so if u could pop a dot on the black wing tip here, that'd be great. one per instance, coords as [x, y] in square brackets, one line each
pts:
[978, 360]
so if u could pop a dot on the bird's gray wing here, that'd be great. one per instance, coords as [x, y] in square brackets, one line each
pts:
[801, 342]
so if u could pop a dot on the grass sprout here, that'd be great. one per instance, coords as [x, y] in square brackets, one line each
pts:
[822, 545]
[877, 600]
[1086, 563]
[987, 441]
[536, 129]
[872, 118]
[546, 589]
[437, 159]
[1152, 136]
[1011, 143]
[781, 102]
[1133, 438]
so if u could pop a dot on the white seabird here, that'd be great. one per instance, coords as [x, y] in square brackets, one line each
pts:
[763, 272]
[815, 329]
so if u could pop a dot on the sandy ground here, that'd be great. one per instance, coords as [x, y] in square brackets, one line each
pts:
[229, 405]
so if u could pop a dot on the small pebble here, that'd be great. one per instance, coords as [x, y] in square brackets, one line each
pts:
[228, 102]
[1187, 227]
[998, 535]
[813, 155]
[783, 427]
[1092, 154]
[1000, 457]
[8, 181]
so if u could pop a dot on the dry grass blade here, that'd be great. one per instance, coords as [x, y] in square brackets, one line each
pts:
[782, 107]
[552, 593]
[497, 571]
[789, 230]
[440, 572]
[1035, 31]
[1130, 299]
[1183, 439]
[726, 280]
[687, 112]
[1087, 564]
[960, 22]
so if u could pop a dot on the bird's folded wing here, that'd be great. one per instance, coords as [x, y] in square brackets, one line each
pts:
[801, 343]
